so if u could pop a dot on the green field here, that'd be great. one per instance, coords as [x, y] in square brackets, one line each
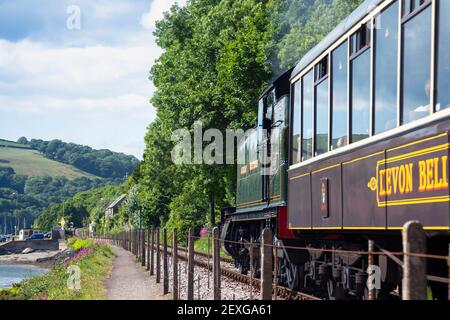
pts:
[31, 163]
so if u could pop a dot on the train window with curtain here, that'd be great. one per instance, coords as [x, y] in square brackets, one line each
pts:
[385, 69]
[416, 59]
[296, 114]
[443, 61]
[339, 58]
[360, 92]
[307, 119]
[321, 107]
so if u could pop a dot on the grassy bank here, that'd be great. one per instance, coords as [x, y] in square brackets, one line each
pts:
[201, 245]
[94, 261]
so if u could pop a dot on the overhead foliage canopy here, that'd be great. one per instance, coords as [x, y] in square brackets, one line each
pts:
[218, 57]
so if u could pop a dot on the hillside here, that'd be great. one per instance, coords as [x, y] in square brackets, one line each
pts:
[12, 144]
[36, 175]
[33, 164]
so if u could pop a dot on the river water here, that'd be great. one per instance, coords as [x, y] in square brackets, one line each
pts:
[10, 274]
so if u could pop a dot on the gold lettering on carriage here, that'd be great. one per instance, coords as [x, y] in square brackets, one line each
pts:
[411, 182]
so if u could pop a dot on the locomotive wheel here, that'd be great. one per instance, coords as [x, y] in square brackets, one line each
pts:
[290, 274]
[243, 269]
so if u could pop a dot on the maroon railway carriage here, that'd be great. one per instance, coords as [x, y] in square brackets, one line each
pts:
[368, 150]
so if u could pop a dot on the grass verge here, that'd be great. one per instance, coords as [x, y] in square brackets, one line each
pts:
[94, 261]
[201, 245]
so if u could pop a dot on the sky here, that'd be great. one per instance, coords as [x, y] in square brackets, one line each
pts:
[78, 70]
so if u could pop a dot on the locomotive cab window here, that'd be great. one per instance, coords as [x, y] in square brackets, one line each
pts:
[321, 107]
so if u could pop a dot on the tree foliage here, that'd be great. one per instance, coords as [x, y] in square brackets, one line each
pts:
[218, 56]
[102, 163]
[81, 209]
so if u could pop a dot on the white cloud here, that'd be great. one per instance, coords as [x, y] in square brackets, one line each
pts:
[104, 84]
[32, 68]
[156, 12]
[79, 85]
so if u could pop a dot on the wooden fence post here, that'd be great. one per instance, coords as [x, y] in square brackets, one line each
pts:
[175, 294]
[143, 248]
[165, 265]
[266, 264]
[134, 242]
[129, 240]
[216, 264]
[148, 248]
[190, 285]
[152, 253]
[138, 244]
[158, 258]
[414, 268]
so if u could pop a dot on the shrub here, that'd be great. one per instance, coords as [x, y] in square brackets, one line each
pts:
[82, 244]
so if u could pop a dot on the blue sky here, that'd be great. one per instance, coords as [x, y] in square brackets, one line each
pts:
[88, 85]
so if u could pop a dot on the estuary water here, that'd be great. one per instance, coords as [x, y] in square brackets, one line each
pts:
[10, 274]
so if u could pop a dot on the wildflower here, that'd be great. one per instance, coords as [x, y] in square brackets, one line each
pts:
[203, 232]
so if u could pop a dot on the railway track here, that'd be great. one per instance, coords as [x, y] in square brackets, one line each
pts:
[278, 290]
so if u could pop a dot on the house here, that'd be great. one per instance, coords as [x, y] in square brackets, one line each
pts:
[113, 208]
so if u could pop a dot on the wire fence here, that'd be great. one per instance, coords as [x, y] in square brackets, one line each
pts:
[190, 275]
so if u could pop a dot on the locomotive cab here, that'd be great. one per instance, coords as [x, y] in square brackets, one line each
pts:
[261, 175]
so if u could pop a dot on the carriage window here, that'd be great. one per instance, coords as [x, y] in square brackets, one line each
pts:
[339, 97]
[416, 66]
[360, 97]
[409, 6]
[385, 84]
[443, 62]
[321, 139]
[360, 40]
[307, 107]
[295, 154]
[321, 70]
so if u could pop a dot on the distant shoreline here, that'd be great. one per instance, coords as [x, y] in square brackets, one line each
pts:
[41, 259]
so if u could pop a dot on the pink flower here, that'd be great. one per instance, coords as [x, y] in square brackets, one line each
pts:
[203, 232]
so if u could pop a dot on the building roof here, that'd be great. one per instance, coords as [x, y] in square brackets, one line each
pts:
[117, 202]
[342, 28]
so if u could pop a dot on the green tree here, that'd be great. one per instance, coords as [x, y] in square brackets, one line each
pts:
[22, 140]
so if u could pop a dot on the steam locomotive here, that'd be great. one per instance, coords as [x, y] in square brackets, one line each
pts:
[358, 134]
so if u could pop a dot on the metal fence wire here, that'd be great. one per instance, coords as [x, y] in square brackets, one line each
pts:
[191, 275]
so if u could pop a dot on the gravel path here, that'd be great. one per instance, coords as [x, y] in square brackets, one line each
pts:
[203, 289]
[129, 281]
